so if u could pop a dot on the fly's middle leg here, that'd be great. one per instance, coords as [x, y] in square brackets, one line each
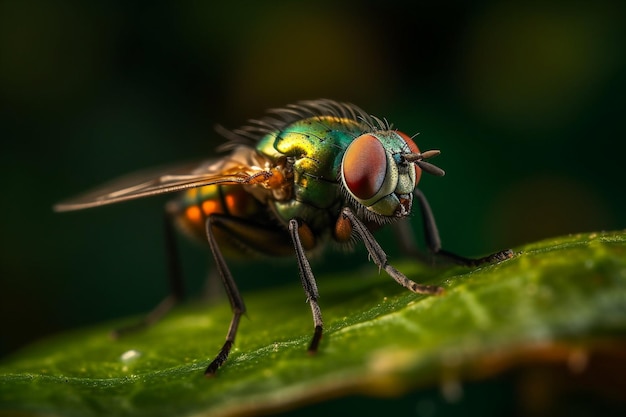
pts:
[299, 231]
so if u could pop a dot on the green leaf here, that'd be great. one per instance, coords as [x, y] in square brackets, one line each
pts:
[561, 300]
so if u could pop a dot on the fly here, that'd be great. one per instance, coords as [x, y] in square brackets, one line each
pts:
[306, 174]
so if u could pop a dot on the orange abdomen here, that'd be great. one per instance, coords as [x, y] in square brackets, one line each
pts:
[197, 204]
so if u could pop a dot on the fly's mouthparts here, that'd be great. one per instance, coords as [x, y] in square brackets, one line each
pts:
[404, 208]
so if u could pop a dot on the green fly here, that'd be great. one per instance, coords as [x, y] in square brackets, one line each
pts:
[304, 175]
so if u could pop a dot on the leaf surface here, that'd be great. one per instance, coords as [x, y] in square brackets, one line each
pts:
[557, 300]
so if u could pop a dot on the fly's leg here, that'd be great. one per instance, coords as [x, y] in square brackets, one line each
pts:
[433, 241]
[234, 297]
[175, 278]
[296, 228]
[380, 258]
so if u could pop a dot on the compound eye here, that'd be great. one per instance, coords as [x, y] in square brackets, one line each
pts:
[412, 146]
[364, 167]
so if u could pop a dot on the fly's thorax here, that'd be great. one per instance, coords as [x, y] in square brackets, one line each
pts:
[375, 176]
[313, 149]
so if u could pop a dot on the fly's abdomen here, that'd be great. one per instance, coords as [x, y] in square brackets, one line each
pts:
[243, 227]
[197, 204]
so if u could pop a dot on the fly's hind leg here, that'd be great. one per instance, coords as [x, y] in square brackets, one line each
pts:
[245, 234]
[175, 278]
[433, 241]
[234, 296]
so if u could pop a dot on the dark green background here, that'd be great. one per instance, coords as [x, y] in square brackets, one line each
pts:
[525, 101]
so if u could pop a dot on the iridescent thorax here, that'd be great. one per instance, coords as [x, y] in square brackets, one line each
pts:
[314, 148]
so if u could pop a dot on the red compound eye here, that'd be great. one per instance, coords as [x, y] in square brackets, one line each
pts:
[414, 149]
[412, 146]
[364, 166]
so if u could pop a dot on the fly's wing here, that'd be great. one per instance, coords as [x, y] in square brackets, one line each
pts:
[165, 180]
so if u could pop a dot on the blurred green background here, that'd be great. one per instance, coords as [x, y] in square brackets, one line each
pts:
[526, 102]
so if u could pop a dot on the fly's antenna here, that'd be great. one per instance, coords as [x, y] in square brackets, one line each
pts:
[418, 158]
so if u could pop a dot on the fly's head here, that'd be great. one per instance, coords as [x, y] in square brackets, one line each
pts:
[380, 171]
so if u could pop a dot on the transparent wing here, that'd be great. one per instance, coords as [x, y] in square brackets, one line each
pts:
[235, 169]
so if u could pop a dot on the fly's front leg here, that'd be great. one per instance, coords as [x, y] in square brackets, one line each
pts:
[300, 231]
[433, 241]
[380, 258]
[175, 278]
[236, 301]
